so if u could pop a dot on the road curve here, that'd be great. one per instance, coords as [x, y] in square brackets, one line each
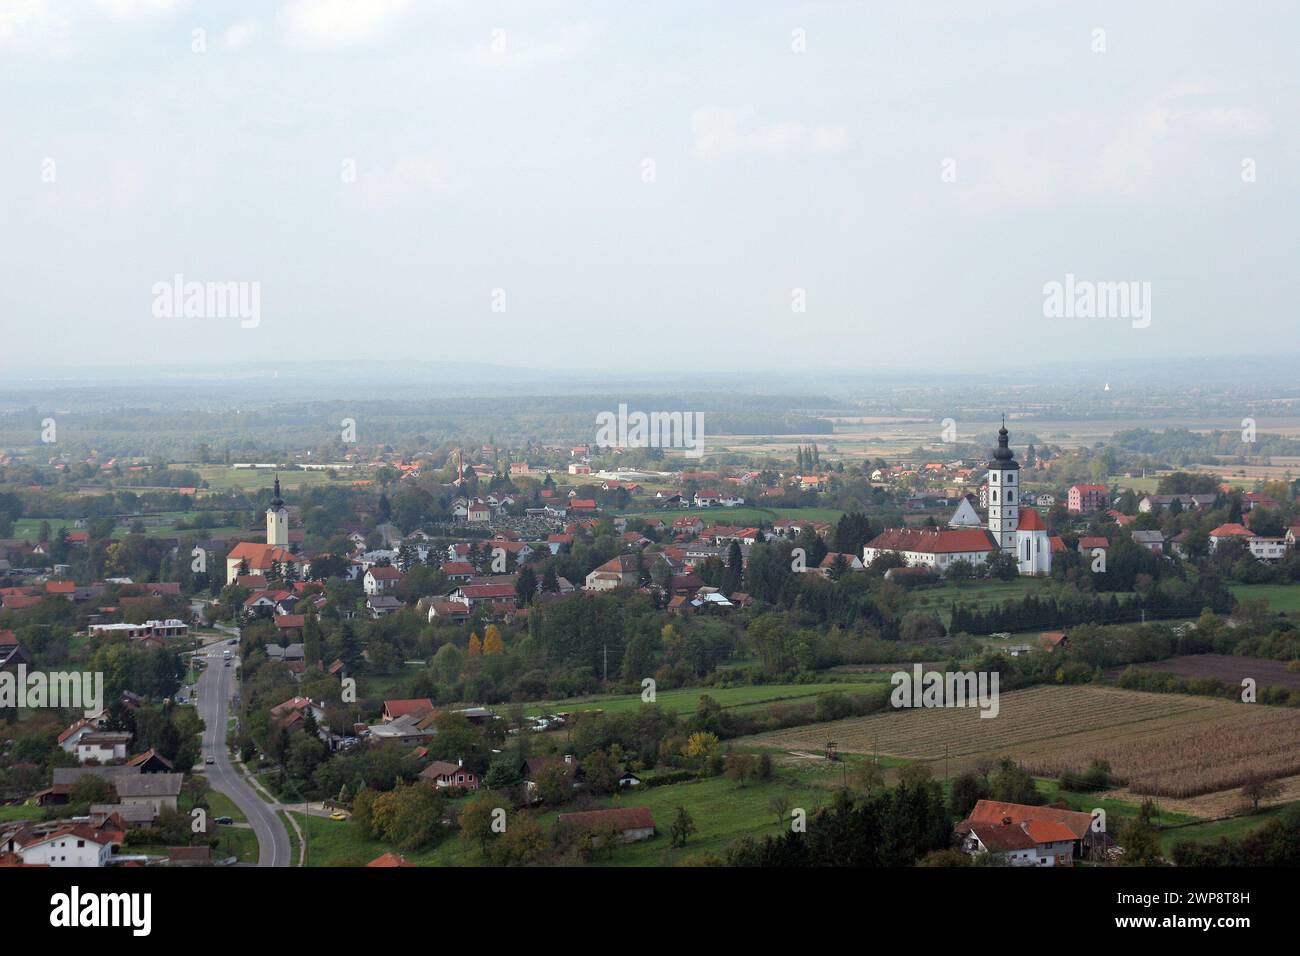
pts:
[215, 686]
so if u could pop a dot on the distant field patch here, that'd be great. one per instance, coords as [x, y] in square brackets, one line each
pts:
[1280, 597]
[687, 699]
[1229, 669]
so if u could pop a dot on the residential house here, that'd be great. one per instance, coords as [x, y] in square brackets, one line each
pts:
[1084, 499]
[625, 824]
[442, 773]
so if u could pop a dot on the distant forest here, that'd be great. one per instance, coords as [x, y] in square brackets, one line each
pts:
[271, 432]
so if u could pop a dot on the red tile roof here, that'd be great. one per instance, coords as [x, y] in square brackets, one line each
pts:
[934, 542]
[1031, 520]
[621, 818]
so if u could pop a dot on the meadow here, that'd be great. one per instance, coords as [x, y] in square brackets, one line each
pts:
[686, 700]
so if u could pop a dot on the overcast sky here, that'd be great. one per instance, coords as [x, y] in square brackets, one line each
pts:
[648, 183]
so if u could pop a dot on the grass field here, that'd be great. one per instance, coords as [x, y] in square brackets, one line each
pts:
[10, 814]
[687, 699]
[721, 810]
[744, 515]
[983, 594]
[222, 478]
[29, 529]
[1280, 597]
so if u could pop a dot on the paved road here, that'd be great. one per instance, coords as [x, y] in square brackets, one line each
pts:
[215, 687]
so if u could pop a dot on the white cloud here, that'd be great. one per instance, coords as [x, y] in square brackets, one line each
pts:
[719, 131]
[34, 26]
[1182, 136]
[332, 24]
[508, 48]
[240, 36]
[408, 178]
[138, 9]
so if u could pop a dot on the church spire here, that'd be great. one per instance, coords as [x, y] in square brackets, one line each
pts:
[276, 501]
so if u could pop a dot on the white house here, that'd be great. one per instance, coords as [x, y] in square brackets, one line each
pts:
[77, 845]
[1026, 843]
[103, 747]
[381, 580]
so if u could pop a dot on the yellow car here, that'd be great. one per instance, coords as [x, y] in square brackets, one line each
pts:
[338, 815]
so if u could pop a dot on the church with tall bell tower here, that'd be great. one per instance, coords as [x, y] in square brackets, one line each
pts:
[1022, 536]
[1004, 497]
[277, 520]
[259, 560]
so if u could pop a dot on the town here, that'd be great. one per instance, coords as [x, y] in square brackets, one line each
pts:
[545, 653]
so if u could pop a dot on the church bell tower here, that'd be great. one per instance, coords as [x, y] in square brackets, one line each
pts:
[1004, 493]
[277, 520]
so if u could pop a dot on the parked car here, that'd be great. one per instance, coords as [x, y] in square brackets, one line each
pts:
[224, 821]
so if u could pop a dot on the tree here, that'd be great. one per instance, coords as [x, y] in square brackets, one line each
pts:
[700, 744]
[779, 804]
[682, 827]
[475, 646]
[1258, 788]
[526, 585]
[1140, 839]
[477, 819]
[492, 642]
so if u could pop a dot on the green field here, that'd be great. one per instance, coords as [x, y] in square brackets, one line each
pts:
[980, 594]
[1211, 832]
[721, 809]
[1280, 597]
[742, 516]
[10, 814]
[687, 699]
[29, 529]
[222, 478]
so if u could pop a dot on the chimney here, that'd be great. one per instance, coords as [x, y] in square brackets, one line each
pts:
[568, 758]
[460, 762]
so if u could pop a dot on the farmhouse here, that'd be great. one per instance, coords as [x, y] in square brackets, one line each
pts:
[1055, 836]
[628, 824]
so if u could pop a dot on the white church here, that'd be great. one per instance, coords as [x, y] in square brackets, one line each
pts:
[258, 559]
[1023, 536]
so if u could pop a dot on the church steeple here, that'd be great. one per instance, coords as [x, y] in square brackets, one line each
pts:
[1004, 508]
[277, 519]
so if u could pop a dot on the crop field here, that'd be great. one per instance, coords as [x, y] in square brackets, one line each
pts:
[1162, 744]
[1229, 669]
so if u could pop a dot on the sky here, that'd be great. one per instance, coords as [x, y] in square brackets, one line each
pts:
[685, 185]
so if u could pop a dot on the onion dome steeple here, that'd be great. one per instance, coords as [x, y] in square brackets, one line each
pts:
[1003, 456]
[276, 501]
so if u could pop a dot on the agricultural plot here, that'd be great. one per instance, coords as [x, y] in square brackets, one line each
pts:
[1229, 669]
[1280, 597]
[687, 699]
[1162, 744]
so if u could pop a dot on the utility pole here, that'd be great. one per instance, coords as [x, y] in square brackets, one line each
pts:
[605, 650]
